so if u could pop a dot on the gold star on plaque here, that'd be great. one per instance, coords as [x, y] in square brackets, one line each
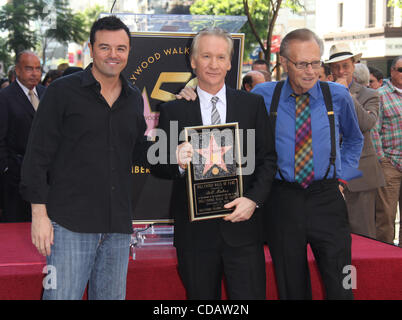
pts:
[214, 156]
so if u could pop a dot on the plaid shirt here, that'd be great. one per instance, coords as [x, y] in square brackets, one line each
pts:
[387, 134]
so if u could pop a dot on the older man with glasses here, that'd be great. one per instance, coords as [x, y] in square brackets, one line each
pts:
[306, 205]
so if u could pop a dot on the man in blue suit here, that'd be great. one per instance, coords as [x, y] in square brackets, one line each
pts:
[18, 104]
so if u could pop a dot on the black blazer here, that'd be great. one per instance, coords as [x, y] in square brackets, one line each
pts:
[16, 115]
[250, 112]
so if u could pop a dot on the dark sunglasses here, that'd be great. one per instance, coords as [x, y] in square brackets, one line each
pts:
[398, 69]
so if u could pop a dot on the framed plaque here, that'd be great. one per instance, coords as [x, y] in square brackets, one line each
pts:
[214, 175]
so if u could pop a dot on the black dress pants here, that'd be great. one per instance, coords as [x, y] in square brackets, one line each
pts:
[1, 194]
[316, 216]
[15, 209]
[243, 268]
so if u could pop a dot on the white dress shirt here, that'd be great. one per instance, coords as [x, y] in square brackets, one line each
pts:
[206, 105]
[26, 90]
[206, 108]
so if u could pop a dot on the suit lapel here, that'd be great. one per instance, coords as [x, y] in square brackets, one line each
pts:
[40, 90]
[231, 106]
[193, 113]
[23, 100]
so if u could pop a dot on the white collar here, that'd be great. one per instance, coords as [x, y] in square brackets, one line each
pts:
[398, 90]
[206, 96]
[25, 89]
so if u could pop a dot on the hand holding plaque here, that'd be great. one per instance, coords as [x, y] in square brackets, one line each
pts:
[213, 176]
[184, 154]
[244, 209]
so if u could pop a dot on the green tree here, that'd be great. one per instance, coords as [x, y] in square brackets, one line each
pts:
[395, 3]
[32, 24]
[235, 8]
[5, 56]
[15, 17]
[89, 16]
[273, 7]
[56, 22]
[261, 17]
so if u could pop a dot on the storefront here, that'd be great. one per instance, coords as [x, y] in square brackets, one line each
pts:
[378, 45]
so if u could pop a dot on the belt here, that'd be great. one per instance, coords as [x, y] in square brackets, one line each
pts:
[316, 184]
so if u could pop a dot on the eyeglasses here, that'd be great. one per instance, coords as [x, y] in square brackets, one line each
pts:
[304, 65]
[398, 69]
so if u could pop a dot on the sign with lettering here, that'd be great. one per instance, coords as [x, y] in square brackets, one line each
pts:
[159, 65]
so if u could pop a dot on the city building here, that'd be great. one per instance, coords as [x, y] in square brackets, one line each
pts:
[368, 26]
[131, 6]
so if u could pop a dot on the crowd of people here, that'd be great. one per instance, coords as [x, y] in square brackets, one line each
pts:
[327, 163]
[305, 205]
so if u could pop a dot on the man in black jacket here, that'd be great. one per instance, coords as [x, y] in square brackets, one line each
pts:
[18, 104]
[232, 246]
[88, 131]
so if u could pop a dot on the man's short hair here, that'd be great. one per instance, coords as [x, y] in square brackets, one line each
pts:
[376, 73]
[303, 34]
[261, 61]
[267, 75]
[110, 23]
[21, 53]
[218, 32]
[247, 79]
[11, 74]
[395, 61]
[327, 69]
[361, 74]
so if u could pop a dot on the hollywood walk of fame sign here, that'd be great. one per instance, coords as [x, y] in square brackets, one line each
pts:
[214, 174]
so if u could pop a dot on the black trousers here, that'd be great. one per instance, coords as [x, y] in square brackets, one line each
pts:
[15, 209]
[1, 194]
[243, 268]
[316, 216]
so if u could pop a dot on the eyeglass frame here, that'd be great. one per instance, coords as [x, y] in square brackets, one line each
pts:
[398, 69]
[298, 66]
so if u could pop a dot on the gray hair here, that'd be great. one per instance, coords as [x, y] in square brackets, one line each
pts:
[218, 32]
[20, 54]
[303, 34]
[395, 61]
[361, 74]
